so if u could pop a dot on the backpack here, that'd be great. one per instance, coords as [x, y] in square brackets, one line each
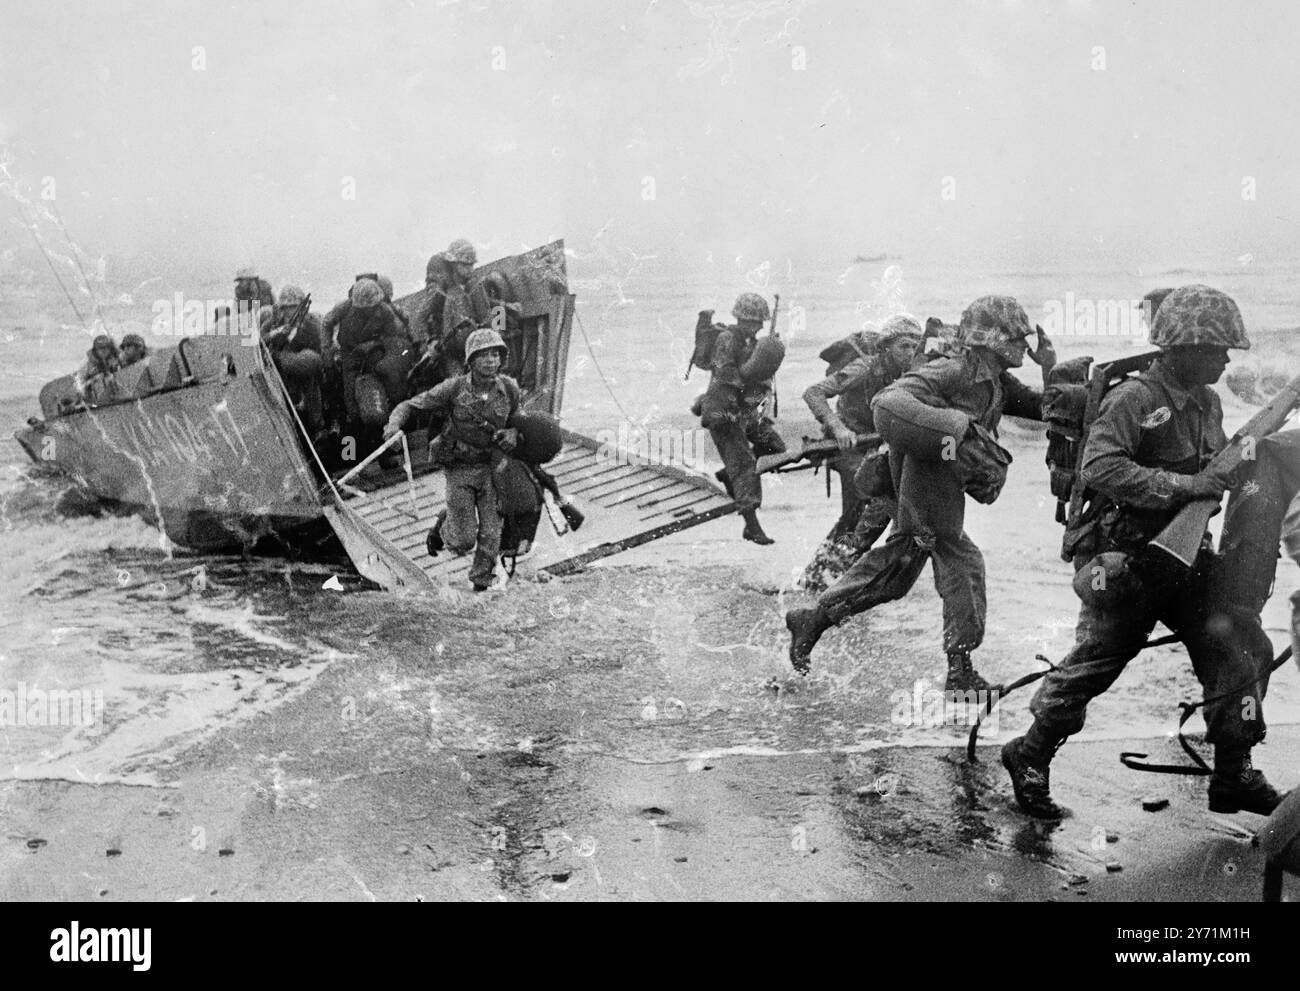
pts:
[706, 337]
[1069, 408]
[859, 344]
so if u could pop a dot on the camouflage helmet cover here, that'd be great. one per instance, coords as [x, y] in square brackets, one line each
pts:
[992, 320]
[386, 284]
[135, 339]
[365, 293]
[751, 306]
[901, 325]
[1197, 314]
[461, 252]
[291, 296]
[484, 339]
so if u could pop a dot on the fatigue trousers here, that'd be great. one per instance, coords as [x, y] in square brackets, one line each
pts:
[928, 526]
[733, 439]
[1225, 646]
[473, 523]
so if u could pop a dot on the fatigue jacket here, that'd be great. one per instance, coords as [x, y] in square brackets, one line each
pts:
[469, 419]
[730, 352]
[975, 384]
[1150, 436]
[856, 384]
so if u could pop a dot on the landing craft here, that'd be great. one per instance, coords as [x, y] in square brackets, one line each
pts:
[204, 444]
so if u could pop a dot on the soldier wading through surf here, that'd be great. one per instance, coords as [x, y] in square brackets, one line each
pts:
[940, 421]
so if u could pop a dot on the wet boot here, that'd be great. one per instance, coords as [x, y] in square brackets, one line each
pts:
[962, 676]
[806, 627]
[1236, 786]
[753, 530]
[1028, 759]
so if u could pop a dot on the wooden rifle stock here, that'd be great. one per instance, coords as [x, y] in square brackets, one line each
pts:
[1177, 545]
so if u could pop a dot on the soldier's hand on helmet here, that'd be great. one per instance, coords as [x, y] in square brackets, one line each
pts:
[845, 437]
[506, 439]
[1045, 354]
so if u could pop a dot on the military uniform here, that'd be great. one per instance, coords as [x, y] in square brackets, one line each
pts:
[734, 417]
[1146, 456]
[932, 418]
[298, 360]
[466, 451]
[932, 503]
[861, 521]
[1150, 436]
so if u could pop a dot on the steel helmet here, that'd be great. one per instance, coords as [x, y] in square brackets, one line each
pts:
[247, 272]
[462, 252]
[386, 284]
[901, 325]
[365, 293]
[135, 339]
[484, 339]
[751, 306]
[291, 296]
[992, 320]
[1197, 314]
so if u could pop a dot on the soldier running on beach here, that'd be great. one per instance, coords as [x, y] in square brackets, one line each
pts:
[861, 522]
[1146, 456]
[939, 421]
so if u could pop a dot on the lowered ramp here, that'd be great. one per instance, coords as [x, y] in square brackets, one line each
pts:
[626, 505]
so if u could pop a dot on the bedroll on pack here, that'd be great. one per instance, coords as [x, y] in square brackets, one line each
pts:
[372, 400]
[765, 360]
[706, 336]
[540, 438]
[908, 425]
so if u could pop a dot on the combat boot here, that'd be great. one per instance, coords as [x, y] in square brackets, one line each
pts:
[806, 627]
[722, 476]
[962, 676]
[1030, 772]
[1236, 786]
[753, 529]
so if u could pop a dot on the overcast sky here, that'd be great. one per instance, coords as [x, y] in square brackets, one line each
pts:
[206, 133]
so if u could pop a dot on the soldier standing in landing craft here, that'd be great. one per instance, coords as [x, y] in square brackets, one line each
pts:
[733, 409]
[1146, 456]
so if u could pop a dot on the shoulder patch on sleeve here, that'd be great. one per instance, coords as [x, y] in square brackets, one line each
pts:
[1156, 417]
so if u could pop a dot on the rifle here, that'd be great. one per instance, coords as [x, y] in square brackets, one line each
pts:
[813, 451]
[294, 324]
[1176, 546]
